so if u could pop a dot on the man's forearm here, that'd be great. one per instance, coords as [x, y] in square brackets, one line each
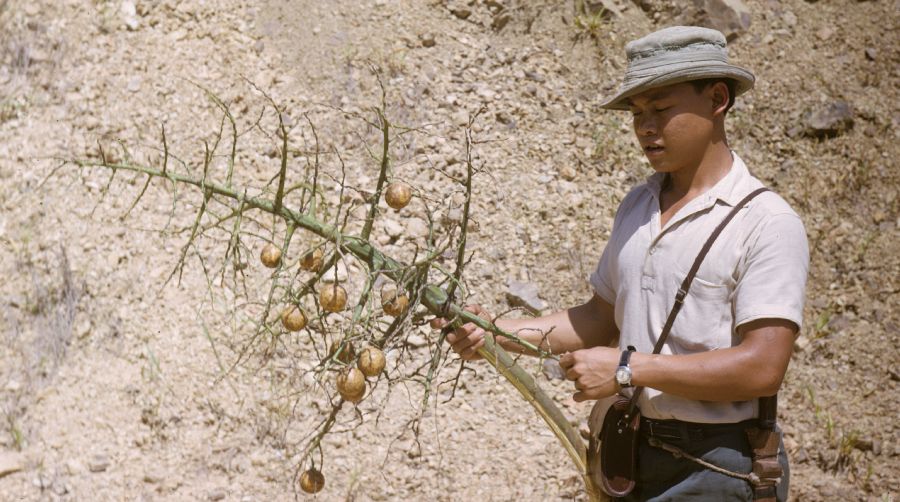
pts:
[752, 369]
[583, 326]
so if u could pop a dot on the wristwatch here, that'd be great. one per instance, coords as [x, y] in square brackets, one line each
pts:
[623, 372]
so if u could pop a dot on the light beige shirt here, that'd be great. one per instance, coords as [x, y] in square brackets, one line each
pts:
[756, 269]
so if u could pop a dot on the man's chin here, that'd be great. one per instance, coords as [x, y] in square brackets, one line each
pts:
[661, 165]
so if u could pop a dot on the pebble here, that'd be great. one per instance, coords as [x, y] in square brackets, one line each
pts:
[552, 370]
[790, 19]
[829, 120]
[98, 463]
[416, 341]
[427, 40]
[393, 228]
[417, 228]
[461, 12]
[153, 476]
[216, 494]
[525, 295]
[10, 462]
[339, 271]
[568, 173]
[460, 118]
[134, 84]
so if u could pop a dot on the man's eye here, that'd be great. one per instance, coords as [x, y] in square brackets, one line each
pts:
[664, 108]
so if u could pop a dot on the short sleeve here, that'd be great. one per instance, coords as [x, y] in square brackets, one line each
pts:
[601, 278]
[772, 278]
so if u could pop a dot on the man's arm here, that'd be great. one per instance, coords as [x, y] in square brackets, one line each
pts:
[591, 324]
[754, 368]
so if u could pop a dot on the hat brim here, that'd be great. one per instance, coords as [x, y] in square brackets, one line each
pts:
[743, 78]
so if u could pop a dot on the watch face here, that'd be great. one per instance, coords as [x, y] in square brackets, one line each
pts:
[623, 375]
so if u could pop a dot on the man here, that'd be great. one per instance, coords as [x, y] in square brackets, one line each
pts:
[732, 341]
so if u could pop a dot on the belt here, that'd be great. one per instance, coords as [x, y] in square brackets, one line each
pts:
[677, 430]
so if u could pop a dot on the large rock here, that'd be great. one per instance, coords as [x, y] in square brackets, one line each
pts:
[525, 295]
[829, 120]
[731, 17]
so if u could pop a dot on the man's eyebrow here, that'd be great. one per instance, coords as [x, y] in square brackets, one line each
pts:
[655, 96]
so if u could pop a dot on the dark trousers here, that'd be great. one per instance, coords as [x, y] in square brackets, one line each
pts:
[663, 477]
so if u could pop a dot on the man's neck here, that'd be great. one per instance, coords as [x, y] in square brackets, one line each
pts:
[691, 181]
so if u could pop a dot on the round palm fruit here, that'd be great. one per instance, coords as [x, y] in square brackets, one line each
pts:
[347, 355]
[394, 304]
[398, 195]
[293, 318]
[333, 298]
[351, 384]
[312, 481]
[312, 261]
[371, 362]
[270, 256]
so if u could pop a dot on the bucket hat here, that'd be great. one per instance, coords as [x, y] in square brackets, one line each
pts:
[673, 55]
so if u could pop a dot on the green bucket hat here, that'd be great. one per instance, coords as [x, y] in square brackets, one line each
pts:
[673, 55]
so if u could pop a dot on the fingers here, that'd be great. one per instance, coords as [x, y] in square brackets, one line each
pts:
[470, 353]
[462, 332]
[567, 360]
[478, 310]
[462, 343]
[440, 322]
[580, 397]
[590, 393]
[466, 339]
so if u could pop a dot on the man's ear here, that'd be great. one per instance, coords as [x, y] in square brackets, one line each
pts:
[718, 92]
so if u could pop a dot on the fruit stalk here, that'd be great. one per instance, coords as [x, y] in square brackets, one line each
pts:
[434, 299]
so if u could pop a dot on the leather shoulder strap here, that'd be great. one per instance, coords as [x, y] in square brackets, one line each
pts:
[686, 283]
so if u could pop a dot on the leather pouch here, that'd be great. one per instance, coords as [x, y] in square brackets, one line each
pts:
[614, 466]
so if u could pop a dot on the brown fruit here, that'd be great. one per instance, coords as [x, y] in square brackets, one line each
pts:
[351, 384]
[393, 304]
[347, 355]
[293, 318]
[312, 261]
[398, 195]
[371, 362]
[270, 256]
[312, 481]
[333, 298]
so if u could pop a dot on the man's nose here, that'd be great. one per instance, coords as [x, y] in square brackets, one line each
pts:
[645, 124]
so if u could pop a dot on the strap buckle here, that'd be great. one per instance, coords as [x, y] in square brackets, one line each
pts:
[679, 297]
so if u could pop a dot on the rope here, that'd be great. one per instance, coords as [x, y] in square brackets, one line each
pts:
[677, 452]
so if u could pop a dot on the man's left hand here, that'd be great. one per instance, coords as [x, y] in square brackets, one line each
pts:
[593, 371]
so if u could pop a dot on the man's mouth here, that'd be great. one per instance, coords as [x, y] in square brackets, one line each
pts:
[650, 149]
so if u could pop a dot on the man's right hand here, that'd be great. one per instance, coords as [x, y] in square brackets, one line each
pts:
[468, 338]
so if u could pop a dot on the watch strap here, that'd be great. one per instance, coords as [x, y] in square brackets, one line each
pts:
[626, 355]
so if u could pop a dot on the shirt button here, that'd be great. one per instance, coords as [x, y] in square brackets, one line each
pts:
[652, 249]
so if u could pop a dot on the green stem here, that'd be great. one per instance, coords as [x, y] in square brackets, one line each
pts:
[433, 298]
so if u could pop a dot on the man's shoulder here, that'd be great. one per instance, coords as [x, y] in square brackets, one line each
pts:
[642, 191]
[769, 204]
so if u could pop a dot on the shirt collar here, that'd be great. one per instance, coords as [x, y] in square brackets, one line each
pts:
[730, 189]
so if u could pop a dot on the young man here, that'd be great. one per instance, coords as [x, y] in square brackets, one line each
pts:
[732, 341]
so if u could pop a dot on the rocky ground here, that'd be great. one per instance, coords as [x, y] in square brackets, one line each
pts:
[111, 378]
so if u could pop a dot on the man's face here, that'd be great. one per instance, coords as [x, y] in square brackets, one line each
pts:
[674, 124]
